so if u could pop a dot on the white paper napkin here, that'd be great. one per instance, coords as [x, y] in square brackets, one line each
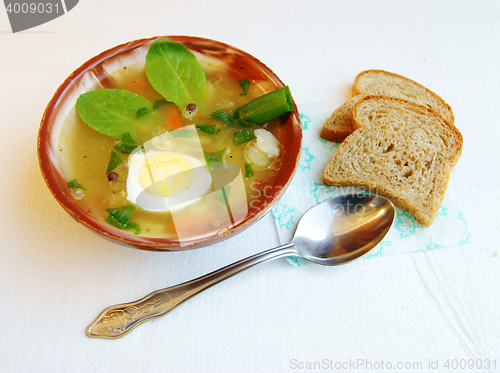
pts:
[306, 190]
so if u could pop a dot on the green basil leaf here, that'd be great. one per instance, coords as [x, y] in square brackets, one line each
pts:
[175, 73]
[112, 112]
[243, 136]
[75, 184]
[244, 85]
[211, 129]
[248, 170]
[221, 116]
[114, 161]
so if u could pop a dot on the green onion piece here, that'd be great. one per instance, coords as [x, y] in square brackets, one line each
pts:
[182, 133]
[211, 129]
[221, 116]
[248, 170]
[159, 103]
[75, 184]
[127, 139]
[141, 112]
[129, 225]
[219, 156]
[244, 85]
[264, 108]
[114, 161]
[123, 213]
[243, 136]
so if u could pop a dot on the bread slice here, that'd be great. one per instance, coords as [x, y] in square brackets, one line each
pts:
[402, 151]
[341, 123]
[379, 82]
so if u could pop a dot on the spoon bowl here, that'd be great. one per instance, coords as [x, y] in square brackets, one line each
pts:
[335, 231]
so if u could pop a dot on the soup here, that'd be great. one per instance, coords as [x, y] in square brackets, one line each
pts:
[178, 171]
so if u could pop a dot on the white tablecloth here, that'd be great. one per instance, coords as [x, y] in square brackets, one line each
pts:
[398, 311]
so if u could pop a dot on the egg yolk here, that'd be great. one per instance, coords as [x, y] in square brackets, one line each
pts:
[166, 174]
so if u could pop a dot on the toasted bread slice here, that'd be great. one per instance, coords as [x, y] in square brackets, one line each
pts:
[379, 82]
[402, 151]
[341, 123]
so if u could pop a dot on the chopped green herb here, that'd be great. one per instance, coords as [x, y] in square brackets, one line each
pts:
[129, 225]
[243, 136]
[175, 73]
[124, 148]
[182, 133]
[75, 184]
[159, 103]
[114, 161]
[264, 108]
[211, 129]
[127, 139]
[142, 112]
[248, 170]
[123, 213]
[244, 85]
[219, 156]
[221, 116]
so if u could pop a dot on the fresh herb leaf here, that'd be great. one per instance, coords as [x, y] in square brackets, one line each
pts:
[127, 145]
[175, 73]
[211, 129]
[222, 193]
[75, 184]
[248, 170]
[129, 225]
[221, 116]
[219, 156]
[112, 111]
[142, 112]
[244, 85]
[123, 213]
[264, 108]
[159, 103]
[114, 161]
[243, 136]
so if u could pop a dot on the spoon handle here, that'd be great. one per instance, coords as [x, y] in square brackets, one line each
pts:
[118, 320]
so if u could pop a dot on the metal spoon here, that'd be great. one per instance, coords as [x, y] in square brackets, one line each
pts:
[335, 231]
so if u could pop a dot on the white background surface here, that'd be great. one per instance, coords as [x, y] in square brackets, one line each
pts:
[56, 276]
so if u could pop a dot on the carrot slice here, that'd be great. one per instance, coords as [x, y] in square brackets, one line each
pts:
[173, 121]
[139, 86]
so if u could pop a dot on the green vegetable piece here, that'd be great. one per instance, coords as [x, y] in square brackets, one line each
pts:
[221, 116]
[248, 170]
[142, 112]
[175, 73]
[127, 145]
[265, 108]
[219, 156]
[159, 103]
[244, 85]
[75, 184]
[129, 225]
[114, 161]
[222, 193]
[243, 136]
[211, 129]
[123, 213]
[112, 112]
